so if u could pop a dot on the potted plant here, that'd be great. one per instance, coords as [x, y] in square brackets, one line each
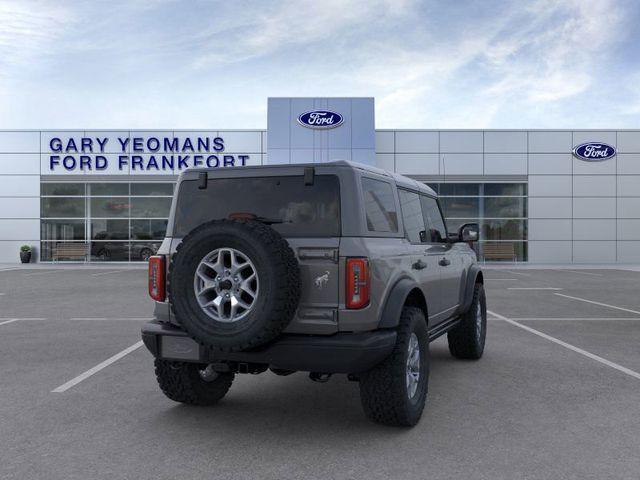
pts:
[25, 253]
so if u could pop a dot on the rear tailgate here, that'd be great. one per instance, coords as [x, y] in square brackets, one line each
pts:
[320, 285]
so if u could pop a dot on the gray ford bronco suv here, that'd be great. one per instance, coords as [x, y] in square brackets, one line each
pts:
[323, 268]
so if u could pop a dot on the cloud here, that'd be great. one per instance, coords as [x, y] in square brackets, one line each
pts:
[429, 64]
[28, 30]
[263, 28]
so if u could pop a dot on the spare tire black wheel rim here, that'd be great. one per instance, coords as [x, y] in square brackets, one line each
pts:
[226, 285]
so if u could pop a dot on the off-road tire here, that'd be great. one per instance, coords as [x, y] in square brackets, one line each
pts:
[383, 389]
[181, 382]
[466, 340]
[277, 299]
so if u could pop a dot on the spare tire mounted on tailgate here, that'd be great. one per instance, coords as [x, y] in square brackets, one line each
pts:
[234, 285]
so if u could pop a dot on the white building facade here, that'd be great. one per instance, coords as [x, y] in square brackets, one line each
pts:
[535, 199]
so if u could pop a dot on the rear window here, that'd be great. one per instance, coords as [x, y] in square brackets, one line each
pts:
[291, 208]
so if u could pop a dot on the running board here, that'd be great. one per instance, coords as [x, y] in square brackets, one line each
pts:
[442, 328]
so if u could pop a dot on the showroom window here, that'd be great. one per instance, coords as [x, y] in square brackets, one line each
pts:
[109, 221]
[499, 208]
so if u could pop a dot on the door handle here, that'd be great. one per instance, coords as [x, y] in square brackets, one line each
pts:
[444, 262]
[419, 265]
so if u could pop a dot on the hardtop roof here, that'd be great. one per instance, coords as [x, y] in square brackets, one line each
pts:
[400, 180]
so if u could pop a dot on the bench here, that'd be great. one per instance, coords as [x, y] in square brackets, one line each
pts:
[499, 251]
[70, 250]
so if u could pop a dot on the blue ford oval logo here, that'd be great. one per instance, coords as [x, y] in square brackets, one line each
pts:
[321, 119]
[594, 151]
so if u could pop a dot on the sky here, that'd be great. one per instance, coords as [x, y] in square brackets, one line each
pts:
[429, 64]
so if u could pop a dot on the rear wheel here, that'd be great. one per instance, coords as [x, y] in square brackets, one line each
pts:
[395, 391]
[192, 383]
[467, 339]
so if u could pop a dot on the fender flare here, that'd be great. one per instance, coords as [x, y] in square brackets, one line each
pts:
[473, 276]
[396, 299]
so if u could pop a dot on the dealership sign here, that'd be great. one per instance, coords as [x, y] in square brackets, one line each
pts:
[594, 151]
[139, 154]
[320, 119]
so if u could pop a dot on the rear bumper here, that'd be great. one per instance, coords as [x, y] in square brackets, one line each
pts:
[339, 353]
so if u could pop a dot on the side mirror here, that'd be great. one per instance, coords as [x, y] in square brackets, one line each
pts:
[469, 232]
[423, 236]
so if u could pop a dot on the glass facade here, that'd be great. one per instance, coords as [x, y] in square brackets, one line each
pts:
[109, 221]
[499, 208]
[127, 221]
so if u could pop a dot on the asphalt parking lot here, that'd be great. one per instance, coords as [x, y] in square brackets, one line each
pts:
[556, 395]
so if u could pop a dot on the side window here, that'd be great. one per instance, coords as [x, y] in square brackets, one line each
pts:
[379, 205]
[411, 215]
[436, 230]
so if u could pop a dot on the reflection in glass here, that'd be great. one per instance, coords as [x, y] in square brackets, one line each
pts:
[500, 189]
[108, 189]
[150, 207]
[109, 229]
[505, 207]
[141, 251]
[460, 189]
[62, 207]
[379, 204]
[504, 230]
[411, 215]
[62, 229]
[462, 207]
[110, 207]
[148, 229]
[436, 229]
[110, 251]
[62, 189]
[102, 212]
[146, 189]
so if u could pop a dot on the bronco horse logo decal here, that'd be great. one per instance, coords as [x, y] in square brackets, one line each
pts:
[322, 280]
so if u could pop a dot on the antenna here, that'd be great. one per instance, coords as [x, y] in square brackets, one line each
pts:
[444, 170]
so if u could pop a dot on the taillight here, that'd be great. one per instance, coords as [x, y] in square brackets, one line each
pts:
[357, 282]
[156, 278]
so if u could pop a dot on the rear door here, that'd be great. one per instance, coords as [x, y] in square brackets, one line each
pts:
[307, 214]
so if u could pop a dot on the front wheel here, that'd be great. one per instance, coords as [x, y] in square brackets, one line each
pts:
[192, 383]
[395, 391]
[466, 340]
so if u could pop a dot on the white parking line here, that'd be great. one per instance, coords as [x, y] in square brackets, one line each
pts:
[106, 273]
[533, 288]
[503, 279]
[519, 273]
[127, 319]
[576, 319]
[10, 269]
[573, 348]
[10, 320]
[597, 303]
[92, 371]
[40, 273]
[579, 272]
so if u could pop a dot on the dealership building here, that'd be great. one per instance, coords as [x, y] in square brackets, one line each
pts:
[540, 196]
